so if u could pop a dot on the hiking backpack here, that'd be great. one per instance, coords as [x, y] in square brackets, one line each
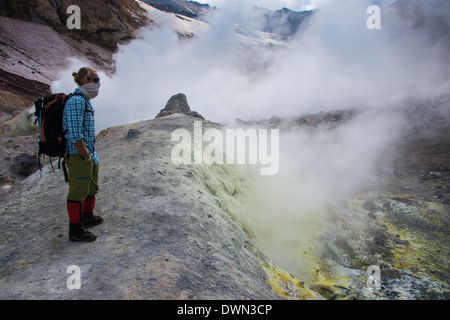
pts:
[49, 117]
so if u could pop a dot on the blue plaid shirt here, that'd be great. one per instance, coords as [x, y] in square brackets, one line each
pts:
[78, 119]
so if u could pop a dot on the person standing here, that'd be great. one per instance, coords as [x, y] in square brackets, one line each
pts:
[81, 158]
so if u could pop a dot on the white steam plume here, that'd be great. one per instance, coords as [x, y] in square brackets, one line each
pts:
[286, 213]
[337, 63]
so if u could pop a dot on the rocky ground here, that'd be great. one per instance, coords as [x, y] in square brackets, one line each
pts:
[181, 232]
[399, 222]
[166, 235]
[177, 231]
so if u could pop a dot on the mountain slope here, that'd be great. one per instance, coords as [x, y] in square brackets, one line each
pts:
[35, 43]
[191, 9]
[103, 22]
[167, 232]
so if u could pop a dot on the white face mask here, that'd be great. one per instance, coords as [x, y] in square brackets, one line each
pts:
[90, 89]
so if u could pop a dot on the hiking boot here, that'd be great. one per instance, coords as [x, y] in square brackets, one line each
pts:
[88, 219]
[78, 233]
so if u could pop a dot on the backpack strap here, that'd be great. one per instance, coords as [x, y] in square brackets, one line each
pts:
[81, 95]
[66, 176]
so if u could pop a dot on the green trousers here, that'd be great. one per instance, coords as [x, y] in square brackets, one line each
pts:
[83, 177]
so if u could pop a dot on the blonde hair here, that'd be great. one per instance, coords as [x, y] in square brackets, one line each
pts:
[82, 74]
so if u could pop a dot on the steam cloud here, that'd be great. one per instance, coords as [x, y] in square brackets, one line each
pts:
[337, 63]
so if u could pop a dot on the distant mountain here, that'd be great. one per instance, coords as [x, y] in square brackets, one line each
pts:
[190, 9]
[285, 22]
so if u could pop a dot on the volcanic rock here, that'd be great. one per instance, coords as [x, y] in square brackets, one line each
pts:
[106, 23]
[25, 164]
[178, 104]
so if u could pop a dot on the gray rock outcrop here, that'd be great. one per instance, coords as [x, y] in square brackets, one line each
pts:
[178, 104]
[104, 23]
